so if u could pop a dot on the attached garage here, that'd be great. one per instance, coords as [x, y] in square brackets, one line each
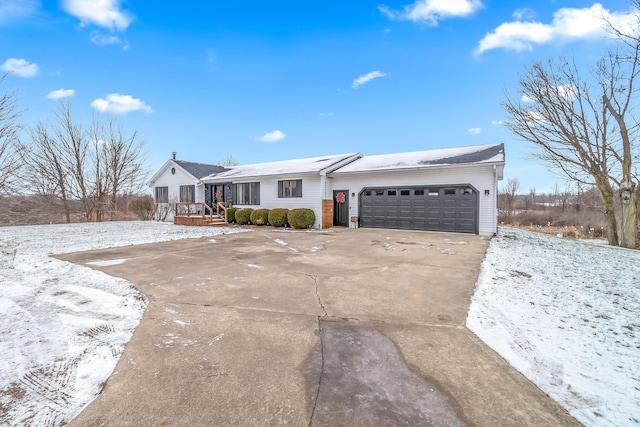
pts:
[432, 208]
[451, 189]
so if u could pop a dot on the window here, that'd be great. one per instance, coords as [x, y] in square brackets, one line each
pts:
[290, 188]
[449, 191]
[419, 192]
[391, 192]
[404, 192]
[188, 193]
[162, 194]
[248, 193]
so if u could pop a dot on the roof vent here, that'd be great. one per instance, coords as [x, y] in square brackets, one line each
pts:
[173, 153]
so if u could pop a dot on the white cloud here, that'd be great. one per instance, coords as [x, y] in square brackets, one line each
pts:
[474, 131]
[431, 11]
[366, 78]
[103, 13]
[20, 67]
[17, 8]
[524, 13]
[498, 122]
[120, 104]
[527, 98]
[60, 93]
[102, 40]
[274, 136]
[567, 24]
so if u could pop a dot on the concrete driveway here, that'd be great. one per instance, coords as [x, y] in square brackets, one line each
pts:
[316, 328]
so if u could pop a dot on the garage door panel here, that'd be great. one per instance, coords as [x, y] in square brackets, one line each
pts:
[420, 208]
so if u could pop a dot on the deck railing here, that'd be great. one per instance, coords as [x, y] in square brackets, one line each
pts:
[221, 210]
[189, 209]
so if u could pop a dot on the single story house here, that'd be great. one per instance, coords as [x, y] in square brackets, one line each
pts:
[450, 189]
[180, 181]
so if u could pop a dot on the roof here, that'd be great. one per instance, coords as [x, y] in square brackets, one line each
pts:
[285, 167]
[200, 170]
[476, 154]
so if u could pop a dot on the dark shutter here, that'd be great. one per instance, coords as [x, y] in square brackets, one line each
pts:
[297, 191]
[281, 189]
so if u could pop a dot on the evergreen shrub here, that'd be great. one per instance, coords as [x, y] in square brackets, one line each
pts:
[260, 217]
[278, 217]
[301, 218]
[243, 216]
[231, 215]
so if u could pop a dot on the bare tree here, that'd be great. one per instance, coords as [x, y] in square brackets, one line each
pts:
[9, 160]
[562, 113]
[509, 193]
[123, 161]
[584, 124]
[229, 161]
[74, 143]
[92, 165]
[47, 170]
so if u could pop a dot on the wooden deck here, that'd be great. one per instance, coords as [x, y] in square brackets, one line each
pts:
[200, 214]
[199, 220]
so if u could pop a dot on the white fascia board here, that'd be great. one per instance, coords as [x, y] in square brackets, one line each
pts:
[254, 178]
[420, 168]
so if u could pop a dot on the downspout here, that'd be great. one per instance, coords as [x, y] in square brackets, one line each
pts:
[495, 200]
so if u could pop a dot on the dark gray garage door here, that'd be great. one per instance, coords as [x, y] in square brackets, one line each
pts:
[420, 208]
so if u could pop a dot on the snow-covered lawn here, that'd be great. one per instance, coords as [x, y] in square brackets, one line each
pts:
[63, 326]
[566, 314]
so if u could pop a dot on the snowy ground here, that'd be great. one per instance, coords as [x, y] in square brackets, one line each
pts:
[566, 314]
[63, 326]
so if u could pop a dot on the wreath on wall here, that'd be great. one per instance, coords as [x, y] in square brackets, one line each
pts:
[218, 193]
[340, 197]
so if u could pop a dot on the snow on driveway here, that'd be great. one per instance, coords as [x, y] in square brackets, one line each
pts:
[566, 314]
[65, 326]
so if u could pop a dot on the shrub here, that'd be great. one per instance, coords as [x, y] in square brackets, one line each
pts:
[278, 217]
[301, 218]
[231, 214]
[243, 216]
[260, 217]
[143, 207]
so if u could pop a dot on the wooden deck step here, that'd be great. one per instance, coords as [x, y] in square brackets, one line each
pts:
[199, 221]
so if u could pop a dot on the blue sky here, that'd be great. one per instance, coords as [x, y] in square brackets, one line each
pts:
[279, 80]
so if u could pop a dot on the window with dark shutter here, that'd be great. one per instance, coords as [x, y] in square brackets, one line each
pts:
[290, 188]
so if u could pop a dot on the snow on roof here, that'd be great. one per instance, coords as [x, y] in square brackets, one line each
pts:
[200, 170]
[488, 153]
[289, 167]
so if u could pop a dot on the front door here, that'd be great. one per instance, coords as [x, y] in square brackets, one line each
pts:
[341, 208]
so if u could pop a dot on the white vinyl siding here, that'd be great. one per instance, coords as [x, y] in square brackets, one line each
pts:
[481, 177]
[311, 198]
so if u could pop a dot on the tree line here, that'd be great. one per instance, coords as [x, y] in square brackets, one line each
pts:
[86, 165]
